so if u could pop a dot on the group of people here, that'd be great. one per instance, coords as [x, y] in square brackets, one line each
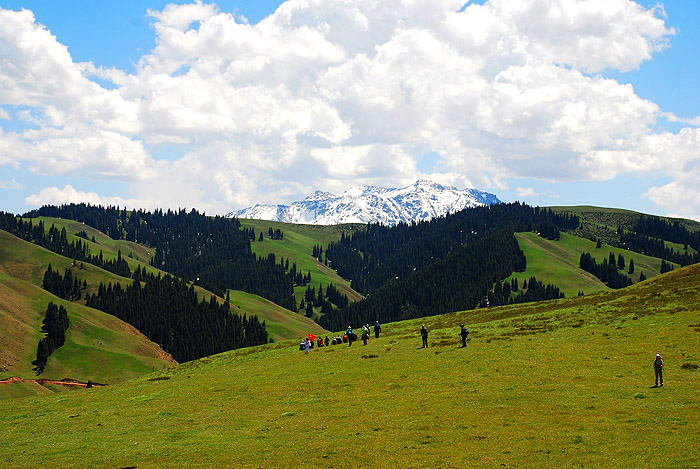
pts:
[347, 338]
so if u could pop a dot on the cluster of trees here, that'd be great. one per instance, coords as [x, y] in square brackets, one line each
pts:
[372, 257]
[509, 293]
[64, 286]
[549, 231]
[657, 248]
[675, 232]
[275, 234]
[666, 267]
[327, 299]
[54, 325]
[212, 251]
[170, 314]
[56, 240]
[607, 272]
[456, 282]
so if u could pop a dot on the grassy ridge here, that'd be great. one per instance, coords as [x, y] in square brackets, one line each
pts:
[281, 323]
[297, 246]
[284, 324]
[557, 262]
[98, 346]
[561, 383]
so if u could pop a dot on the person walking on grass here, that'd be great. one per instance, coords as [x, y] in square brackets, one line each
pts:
[307, 345]
[349, 334]
[659, 371]
[365, 336]
[377, 329]
[424, 336]
[463, 333]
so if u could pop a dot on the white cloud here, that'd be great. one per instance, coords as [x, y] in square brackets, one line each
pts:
[4, 114]
[67, 195]
[525, 191]
[11, 184]
[324, 95]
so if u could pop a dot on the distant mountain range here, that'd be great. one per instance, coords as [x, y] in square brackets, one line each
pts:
[422, 200]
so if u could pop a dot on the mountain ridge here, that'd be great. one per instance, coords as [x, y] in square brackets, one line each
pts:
[421, 201]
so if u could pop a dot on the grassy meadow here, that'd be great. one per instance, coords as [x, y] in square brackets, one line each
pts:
[560, 383]
[557, 262]
[297, 246]
[98, 346]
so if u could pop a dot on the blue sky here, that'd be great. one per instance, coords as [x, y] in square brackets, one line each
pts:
[255, 165]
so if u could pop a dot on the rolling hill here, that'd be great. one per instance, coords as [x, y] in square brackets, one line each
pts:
[557, 262]
[297, 246]
[98, 346]
[558, 383]
[284, 324]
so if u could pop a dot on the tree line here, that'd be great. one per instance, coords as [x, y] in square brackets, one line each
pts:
[64, 286]
[607, 271]
[170, 314]
[54, 325]
[374, 256]
[56, 240]
[506, 293]
[214, 252]
[456, 282]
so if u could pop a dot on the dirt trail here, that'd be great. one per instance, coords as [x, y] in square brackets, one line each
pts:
[63, 382]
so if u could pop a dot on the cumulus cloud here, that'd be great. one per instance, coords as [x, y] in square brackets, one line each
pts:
[67, 195]
[324, 95]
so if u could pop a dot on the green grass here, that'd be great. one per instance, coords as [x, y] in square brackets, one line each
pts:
[557, 262]
[281, 323]
[98, 346]
[561, 383]
[297, 246]
[602, 222]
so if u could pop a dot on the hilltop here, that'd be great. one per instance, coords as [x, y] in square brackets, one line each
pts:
[563, 382]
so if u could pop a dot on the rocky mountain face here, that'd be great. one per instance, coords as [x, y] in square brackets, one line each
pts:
[422, 200]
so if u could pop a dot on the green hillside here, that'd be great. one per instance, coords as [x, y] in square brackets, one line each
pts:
[284, 324]
[557, 262]
[602, 222]
[98, 346]
[281, 323]
[297, 246]
[561, 383]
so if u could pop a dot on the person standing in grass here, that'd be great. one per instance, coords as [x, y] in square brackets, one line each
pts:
[307, 345]
[349, 334]
[424, 336]
[463, 333]
[659, 370]
[377, 329]
[365, 335]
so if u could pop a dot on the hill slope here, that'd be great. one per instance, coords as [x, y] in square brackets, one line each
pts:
[557, 262]
[284, 324]
[561, 383]
[98, 346]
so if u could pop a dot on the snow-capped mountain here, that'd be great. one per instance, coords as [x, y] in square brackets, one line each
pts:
[423, 200]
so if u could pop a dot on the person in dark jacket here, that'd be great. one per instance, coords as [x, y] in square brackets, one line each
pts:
[350, 336]
[365, 336]
[327, 341]
[463, 333]
[659, 370]
[424, 336]
[377, 329]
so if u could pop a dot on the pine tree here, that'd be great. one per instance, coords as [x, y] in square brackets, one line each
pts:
[631, 269]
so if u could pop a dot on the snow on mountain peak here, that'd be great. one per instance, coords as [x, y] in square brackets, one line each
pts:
[422, 200]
